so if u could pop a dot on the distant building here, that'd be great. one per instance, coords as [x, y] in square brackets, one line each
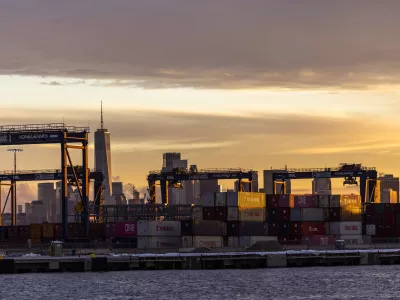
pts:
[269, 184]
[47, 194]
[389, 189]
[102, 149]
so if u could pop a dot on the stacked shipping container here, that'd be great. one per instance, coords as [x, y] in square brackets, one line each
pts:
[382, 222]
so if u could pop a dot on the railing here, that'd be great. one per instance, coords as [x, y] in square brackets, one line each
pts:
[47, 171]
[57, 127]
[334, 169]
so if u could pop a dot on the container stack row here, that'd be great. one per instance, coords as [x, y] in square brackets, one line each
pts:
[382, 222]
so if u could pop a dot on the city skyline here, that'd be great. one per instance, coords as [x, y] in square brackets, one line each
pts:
[235, 87]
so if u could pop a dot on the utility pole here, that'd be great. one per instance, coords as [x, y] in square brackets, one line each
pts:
[14, 189]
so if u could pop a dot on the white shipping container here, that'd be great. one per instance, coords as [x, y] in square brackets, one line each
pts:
[208, 241]
[246, 241]
[187, 242]
[152, 242]
[371, 229]
[233, 241]
[351, 239]
[345, 228]
[233, 213]
[159, 228]
[208, 200]
[252, 214]
[220, 199]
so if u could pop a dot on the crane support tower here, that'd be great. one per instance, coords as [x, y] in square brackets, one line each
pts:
[177, 175]
[68, 137]
[350, 173]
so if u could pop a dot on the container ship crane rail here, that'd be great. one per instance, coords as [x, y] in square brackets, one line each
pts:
[176, 176]
[68, 137]
[350, 172]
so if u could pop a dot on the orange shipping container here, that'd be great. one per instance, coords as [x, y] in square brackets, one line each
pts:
[36, 231]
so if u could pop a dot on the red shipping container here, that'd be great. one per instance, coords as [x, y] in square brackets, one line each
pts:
[380, 231]
[126, 229]
[319, 240]
[296, 228]
[306, 201]
[390, 219]
[396, 208]
[272, 201]
[284, 214]
[312, 228]
[398, 230]
[58, 231]
[285, 201]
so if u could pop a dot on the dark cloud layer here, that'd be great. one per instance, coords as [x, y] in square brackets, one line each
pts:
[205, 44]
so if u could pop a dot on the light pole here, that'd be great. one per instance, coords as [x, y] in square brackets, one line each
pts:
[14, 189]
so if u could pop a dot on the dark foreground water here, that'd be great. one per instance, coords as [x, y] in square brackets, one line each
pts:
[373, 282]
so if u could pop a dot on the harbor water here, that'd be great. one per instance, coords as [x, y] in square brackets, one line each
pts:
[367, 282]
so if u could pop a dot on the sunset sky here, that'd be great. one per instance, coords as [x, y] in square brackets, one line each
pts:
[252, 84]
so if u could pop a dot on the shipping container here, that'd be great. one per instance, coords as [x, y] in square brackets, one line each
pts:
[208, 213]
[324, 201]
[208, 200]
[48, 231]
[252, 214]
[233, 241]
[295, 228]
[210, 228]
[97, 231]
[220, 199]
[284, 214]
[295, 215]
[75, 230]
[58, 231]
[289, 240]
[233, 228]
[110, 230]
[125, 242]
[334, 201]
[156, 242]
[158, 228]
[285, 228]
[272, 229]
[350, 200]
[197, 213]
[312, 214]
[36, 231]
[345, 228]
[272, 201]
[208, 241]
[285, 201]
[313, 228]
[319, 240]
[221, 213]
[125, 229]
[253, 229]
[273, 214]
[187, 241]
[232, 213]
[356, 239]
[246, 199]
[305, 201]
[371, 229]
[187, 227]
[247, 241]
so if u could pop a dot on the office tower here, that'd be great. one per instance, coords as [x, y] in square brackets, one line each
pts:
[322, 186]
[389, 189]
[20, 209]
[269, 184]
[102, 148]
[47, 194]
[169, 159]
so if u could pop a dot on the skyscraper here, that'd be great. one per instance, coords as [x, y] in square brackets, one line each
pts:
[102, 162]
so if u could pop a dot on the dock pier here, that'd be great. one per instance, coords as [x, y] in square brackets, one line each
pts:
[197, 261]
